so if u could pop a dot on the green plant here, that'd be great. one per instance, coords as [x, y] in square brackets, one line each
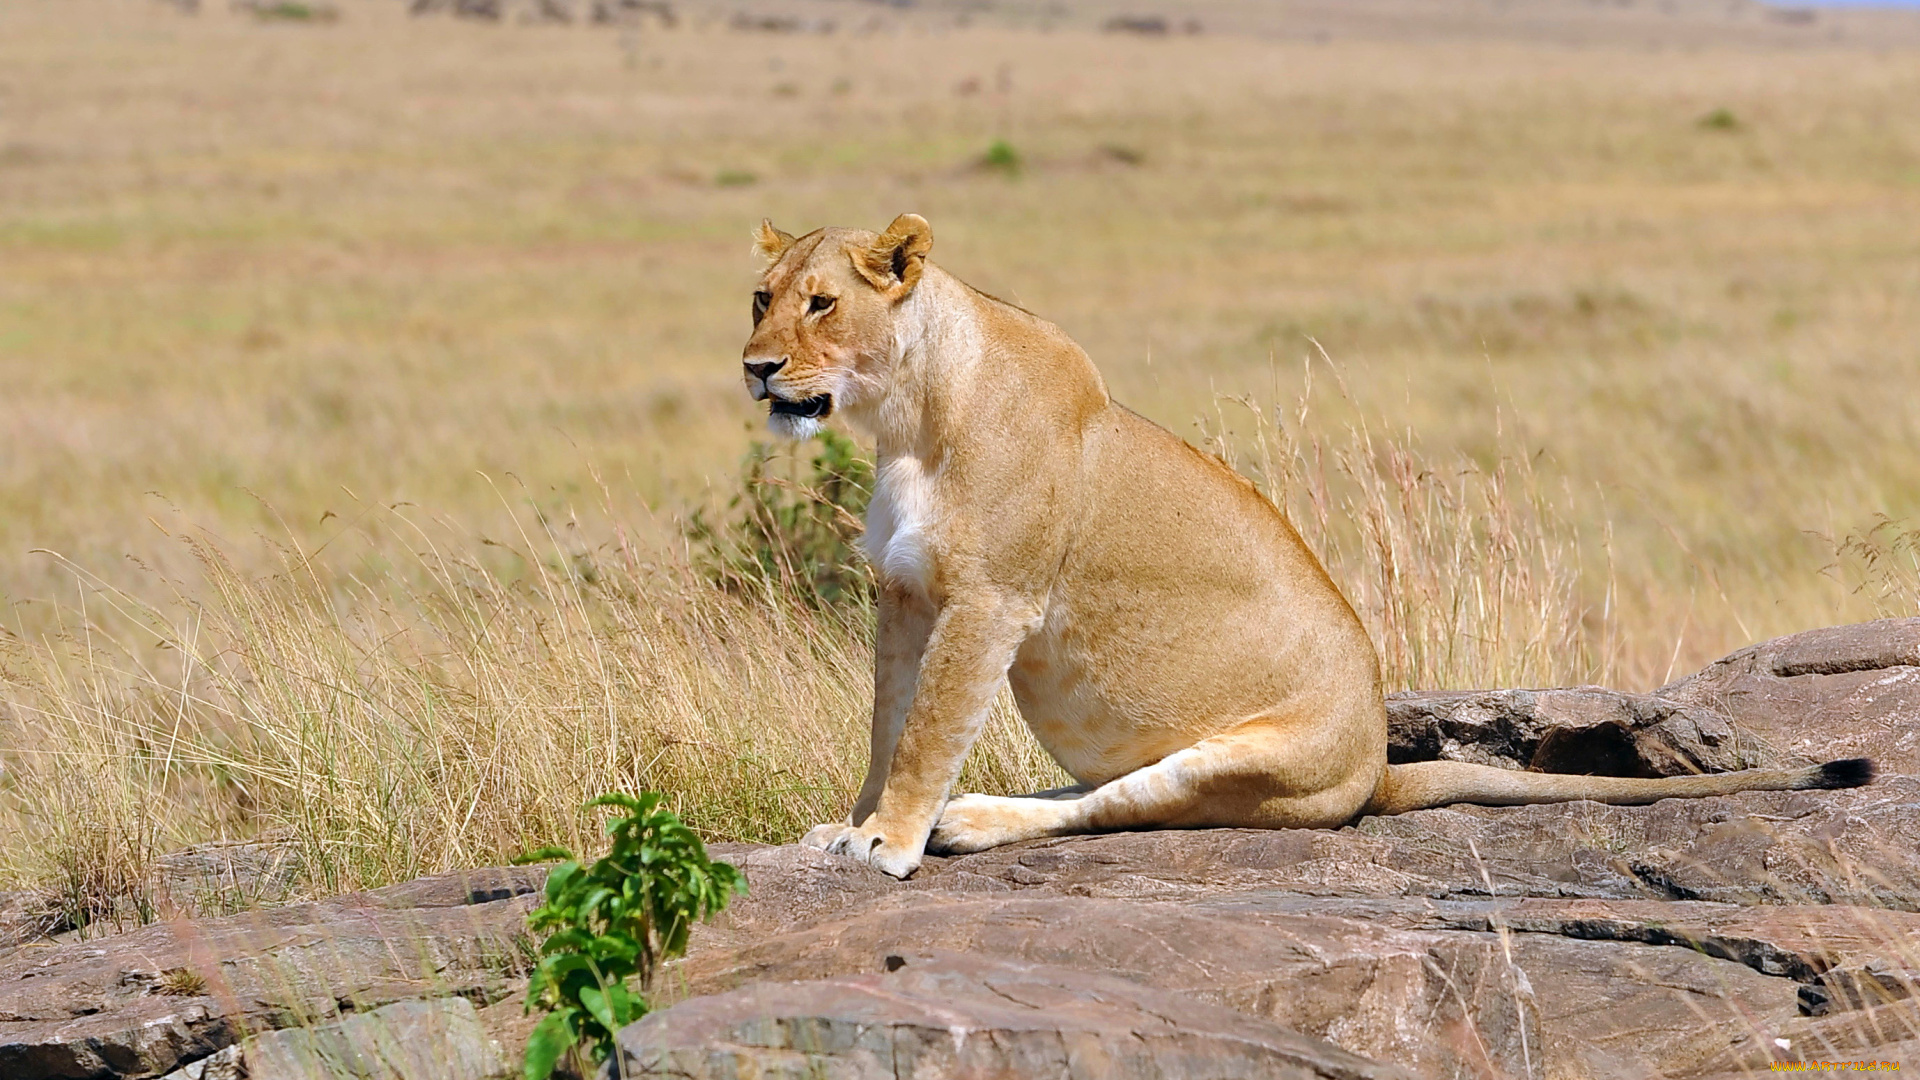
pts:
[1001, 157]
[1721, 119]
[614, 920]
[796, 533]
[292, 11]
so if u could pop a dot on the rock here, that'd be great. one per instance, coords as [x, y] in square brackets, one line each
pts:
[98, 1008]
[1886, 1033]
[790, 885]
[224, 1065]
[28, 916]
[1843, 691]
[1589, 940]
[1588, 730]
[1396, 995]
[943, 1015]
[1592, 988]
[409, 1040]
[224, 877]
[508, 1025]
[1821, 847]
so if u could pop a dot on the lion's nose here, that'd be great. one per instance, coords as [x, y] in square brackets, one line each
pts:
[764, 369]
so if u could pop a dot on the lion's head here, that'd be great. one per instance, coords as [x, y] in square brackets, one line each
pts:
[823, 318]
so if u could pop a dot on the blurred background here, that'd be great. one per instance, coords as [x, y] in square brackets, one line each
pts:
[375, 468]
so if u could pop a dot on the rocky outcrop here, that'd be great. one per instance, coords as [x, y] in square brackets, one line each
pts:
[1460, 953]
[1690, 938]
[154, 1000]
[944, 1015]
[439, 1039]
[1843, 691]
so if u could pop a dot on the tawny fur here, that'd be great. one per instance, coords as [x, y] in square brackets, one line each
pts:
[1169, 638]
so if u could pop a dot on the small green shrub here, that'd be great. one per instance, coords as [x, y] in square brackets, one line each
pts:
[797, 533]
[735, 178]
[1720, 120]
[1001, 157]
[292, 11]
[613, 921]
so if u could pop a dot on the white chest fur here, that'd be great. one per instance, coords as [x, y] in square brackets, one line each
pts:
[900, 522]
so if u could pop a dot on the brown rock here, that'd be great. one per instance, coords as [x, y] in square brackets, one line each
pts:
[1568, 988]
[1588, 730]
[789, 885]
[97, 1009]
[943, 1015]
[1609, 964]
[1441, 1004]
[223, 1065]
[409, 1040]
[222, 877]
[1886, 1033]
[1843, 691]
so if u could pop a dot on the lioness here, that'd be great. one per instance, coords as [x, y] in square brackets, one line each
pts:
[1169, 638]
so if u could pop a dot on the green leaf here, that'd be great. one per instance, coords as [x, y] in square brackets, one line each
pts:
[558, 878]
[595, 1001]
[621, 916]
[572, 939]
[542, 854]
[550, 1039]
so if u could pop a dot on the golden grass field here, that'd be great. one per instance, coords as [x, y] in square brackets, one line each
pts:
[356, 377]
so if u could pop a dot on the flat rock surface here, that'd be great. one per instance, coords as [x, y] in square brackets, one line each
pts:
[108, 1008]
[1689, 938]
[437, 1039]
[946, 1015]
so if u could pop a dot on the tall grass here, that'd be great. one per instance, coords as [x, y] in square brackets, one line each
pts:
[1468, 574]
[450, 710]
[416, 698]
[1883, 564]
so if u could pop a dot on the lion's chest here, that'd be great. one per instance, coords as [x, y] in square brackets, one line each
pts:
[900, 523]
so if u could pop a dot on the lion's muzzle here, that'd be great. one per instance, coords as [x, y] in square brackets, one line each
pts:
[813, 408]
[758, 372]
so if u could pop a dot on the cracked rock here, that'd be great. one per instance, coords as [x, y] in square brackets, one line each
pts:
[947, 1015]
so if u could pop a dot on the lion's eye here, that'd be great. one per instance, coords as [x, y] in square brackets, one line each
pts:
[820, 303]
[761, 301]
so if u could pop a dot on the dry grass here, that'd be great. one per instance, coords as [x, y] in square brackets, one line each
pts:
[1466, 575]
[358, 313]
[458, 705]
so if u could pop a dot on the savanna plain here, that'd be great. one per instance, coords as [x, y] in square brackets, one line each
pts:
[376, 474]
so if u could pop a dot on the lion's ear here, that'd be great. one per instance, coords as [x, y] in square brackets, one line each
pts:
[770, 242]
[892, 264]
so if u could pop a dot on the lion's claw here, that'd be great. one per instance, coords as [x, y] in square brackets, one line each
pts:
[868, 845]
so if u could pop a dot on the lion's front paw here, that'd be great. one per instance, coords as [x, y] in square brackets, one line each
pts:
[869, 845]
[822, 837]
[977, 822]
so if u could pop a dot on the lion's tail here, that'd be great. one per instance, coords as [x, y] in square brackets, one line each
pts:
[1424, 784]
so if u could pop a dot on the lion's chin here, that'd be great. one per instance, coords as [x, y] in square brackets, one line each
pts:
[794, 427]
[798, 419]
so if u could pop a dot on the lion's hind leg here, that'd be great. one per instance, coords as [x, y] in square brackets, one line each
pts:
[1255, 777]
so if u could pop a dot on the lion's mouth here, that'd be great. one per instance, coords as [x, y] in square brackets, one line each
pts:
[812, 408]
